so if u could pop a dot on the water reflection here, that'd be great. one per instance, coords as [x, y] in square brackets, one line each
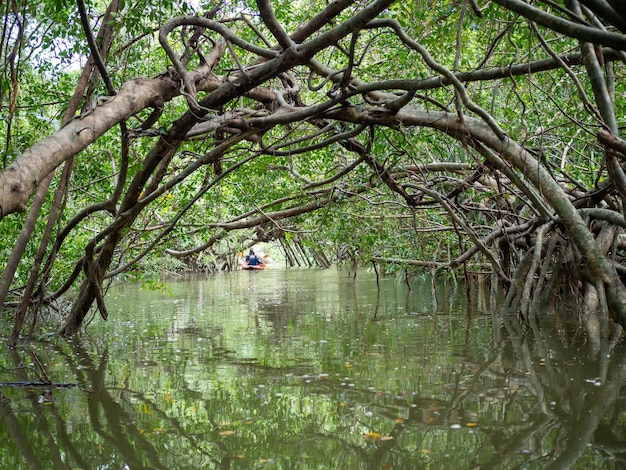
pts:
[306, 369]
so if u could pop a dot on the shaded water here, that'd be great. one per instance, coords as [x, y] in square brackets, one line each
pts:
[304, 369]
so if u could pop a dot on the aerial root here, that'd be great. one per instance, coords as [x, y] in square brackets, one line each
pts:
[551, 278]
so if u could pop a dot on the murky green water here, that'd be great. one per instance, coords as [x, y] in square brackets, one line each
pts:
[304, 369]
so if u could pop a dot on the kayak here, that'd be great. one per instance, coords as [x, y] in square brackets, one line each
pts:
[258, 267]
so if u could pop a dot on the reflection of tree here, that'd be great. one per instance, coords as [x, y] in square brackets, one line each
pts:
[26, 436]
[45, 440]
[572, 402]
[277, 311]
[18, 435]
[538, 401]
[535, 401]
[599, 402]
[119, 429]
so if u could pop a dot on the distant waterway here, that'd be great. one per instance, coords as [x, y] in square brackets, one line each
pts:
[311, 369]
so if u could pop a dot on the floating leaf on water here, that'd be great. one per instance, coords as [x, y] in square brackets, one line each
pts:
[455, 426]
[372, 436]
[471, 424]
[227, 433]
[399, 420]
[386, 438]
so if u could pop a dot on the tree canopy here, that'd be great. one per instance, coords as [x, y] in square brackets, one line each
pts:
[446, 135]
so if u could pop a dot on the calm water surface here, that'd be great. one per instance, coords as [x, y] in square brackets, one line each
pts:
[306, 369]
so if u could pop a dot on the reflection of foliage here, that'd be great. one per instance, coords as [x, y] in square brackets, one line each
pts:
[195, 385]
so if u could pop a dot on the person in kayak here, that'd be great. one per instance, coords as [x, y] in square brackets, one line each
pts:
[252, 259]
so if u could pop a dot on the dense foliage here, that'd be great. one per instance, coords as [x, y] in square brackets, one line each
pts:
[152, 136]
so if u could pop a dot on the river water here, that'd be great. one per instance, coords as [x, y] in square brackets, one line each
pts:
[311, 369]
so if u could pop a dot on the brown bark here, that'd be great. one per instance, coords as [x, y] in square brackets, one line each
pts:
[24, 175]
[23, 239]
[34, 273]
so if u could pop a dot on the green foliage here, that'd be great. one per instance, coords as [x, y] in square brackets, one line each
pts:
[361, 210]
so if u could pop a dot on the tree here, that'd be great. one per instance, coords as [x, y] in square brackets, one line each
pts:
[335, 108]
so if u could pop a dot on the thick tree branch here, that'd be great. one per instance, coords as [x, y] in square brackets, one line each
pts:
[568, 28]
[269, 18]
